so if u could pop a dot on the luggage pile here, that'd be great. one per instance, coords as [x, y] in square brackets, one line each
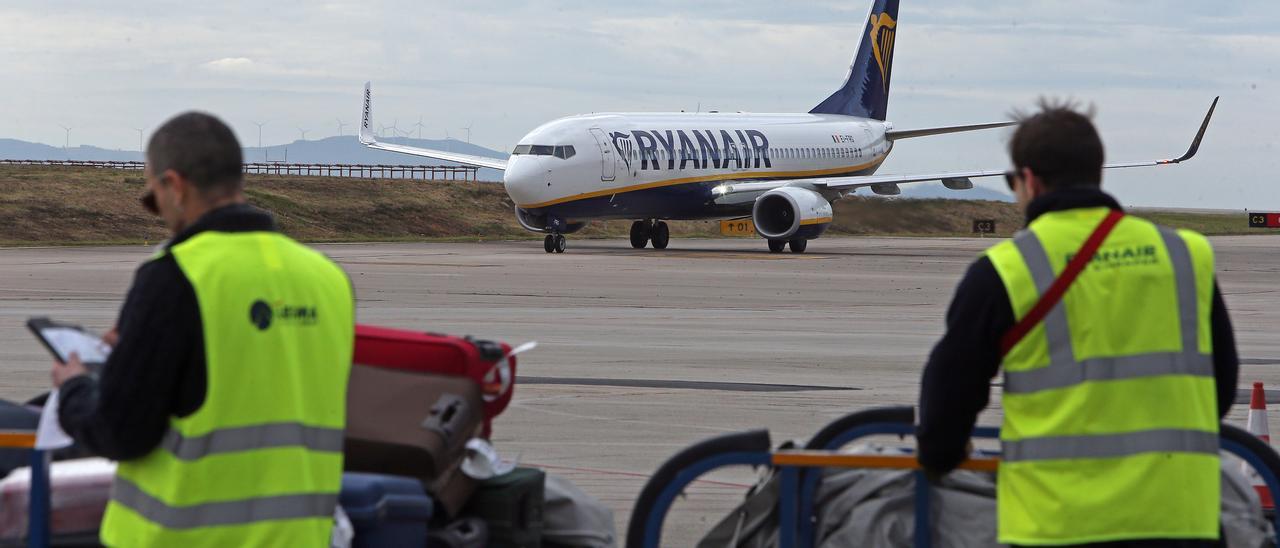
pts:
[417, 468]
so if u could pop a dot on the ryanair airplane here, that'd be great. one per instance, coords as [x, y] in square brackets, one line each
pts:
[777, 173]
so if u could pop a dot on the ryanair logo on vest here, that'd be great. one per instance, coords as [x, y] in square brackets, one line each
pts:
[1120, 257]
[692, 149]
[262, 314]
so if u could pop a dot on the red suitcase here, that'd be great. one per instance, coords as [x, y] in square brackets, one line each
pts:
[478, 360]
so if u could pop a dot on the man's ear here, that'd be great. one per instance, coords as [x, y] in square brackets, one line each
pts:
[1035, 186]
[178, 185]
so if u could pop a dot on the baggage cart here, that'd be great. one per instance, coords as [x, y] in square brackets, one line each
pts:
[800, 471]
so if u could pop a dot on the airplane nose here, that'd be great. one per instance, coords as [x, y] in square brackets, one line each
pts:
[521, 179]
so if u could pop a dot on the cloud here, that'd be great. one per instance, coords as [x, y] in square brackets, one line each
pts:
[509, 67]
[230, 64]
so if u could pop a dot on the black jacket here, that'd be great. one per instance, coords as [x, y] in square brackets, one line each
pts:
[957, 380]
[157, 368]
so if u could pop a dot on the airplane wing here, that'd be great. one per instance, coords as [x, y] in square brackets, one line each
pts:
[367, 139]
[887, 184]
[896, 134]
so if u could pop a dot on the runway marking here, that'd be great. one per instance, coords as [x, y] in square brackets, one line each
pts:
[433, 265]
[678, 384]
[748, 256]
[660, 425]
[1259, 361]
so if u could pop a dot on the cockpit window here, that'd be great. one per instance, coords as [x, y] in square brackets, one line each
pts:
[562, 152]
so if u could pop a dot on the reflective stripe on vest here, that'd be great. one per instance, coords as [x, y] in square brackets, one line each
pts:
[1064, 370]
[319, 505]
[244, 438]
[1101, 446]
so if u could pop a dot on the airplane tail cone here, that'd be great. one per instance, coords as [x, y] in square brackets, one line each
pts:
[1257, 425]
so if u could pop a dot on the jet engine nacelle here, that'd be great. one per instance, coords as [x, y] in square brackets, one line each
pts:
[791, 213]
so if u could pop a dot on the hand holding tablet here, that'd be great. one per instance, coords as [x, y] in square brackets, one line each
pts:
[64, 339]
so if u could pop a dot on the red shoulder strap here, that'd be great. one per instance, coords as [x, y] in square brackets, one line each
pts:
[1061, 284]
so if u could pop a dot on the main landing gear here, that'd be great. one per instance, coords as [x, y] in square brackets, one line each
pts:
[554, 243]
[644, 232]
[797, 246]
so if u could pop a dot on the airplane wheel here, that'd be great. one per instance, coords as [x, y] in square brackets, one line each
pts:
[639, 234]
[798, 246]
[661, 235]
[549, 243]
[560, 243]
[776, 246]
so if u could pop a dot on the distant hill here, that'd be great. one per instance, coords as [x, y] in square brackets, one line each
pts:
[348, 150]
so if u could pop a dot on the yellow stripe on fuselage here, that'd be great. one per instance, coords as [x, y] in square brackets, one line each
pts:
[706, 178]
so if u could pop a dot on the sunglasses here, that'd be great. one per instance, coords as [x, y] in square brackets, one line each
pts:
[149, 202]
[1009, 178]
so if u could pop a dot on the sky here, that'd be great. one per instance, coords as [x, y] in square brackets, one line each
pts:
[1148, 68]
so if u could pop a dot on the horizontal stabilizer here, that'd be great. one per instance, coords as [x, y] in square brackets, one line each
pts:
[894, 135]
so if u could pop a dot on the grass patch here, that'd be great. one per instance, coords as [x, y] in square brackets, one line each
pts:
[57, 205]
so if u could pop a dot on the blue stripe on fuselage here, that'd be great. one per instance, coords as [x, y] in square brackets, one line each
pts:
[686, 201]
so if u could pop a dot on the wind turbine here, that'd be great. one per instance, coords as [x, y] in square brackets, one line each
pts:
[382, 130]
[140, 148]
[341, 125]
[264, 151]
[420, 125]
[303, 132]
[66, 144]
[448, 142]
[467, 128]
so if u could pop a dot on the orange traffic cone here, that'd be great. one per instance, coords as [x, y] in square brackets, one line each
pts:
[1257, 426]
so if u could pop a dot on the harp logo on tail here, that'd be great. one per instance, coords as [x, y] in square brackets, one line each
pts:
[883, 29]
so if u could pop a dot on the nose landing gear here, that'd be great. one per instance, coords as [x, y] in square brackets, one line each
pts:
[554, 243]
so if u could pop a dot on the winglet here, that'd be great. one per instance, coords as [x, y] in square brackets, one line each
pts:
[366, 118]
[1195, 143]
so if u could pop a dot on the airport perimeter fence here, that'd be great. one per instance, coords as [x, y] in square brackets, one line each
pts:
[356, 171]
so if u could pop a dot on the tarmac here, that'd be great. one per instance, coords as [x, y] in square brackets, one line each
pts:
[642, 352]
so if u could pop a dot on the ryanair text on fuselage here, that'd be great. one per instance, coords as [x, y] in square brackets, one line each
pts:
[698, 149]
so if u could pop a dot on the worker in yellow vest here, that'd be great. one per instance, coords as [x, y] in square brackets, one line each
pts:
[1112, 396]
[224, 397]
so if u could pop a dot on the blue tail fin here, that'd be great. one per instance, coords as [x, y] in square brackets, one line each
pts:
[865, 92]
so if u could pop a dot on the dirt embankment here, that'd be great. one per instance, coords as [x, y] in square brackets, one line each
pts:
[64, 205]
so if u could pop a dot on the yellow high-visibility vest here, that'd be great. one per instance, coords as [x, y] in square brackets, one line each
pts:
[260, 462]
[1110, 411]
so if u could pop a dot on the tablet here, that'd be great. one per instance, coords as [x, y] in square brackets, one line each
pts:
[62, 339]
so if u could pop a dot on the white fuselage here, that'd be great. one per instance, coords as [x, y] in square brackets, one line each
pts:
[664, 165]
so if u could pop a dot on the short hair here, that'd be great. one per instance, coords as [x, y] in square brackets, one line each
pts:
[1059, 144]
[202, 149]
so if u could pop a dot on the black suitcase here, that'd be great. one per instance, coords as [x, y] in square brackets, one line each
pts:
[511, 505]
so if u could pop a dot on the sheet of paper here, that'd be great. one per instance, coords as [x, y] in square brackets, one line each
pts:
[66, 340]
[49, 434]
